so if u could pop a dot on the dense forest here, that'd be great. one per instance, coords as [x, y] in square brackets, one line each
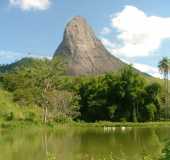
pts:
[39, 90]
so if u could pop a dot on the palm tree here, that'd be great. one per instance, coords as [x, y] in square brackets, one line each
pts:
[164, 67]
[168, 83]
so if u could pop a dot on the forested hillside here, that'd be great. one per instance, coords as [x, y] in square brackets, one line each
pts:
[41, 85]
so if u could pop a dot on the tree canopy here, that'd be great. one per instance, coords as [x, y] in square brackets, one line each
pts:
[123, 96]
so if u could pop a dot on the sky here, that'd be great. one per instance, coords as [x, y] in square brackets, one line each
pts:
[136, 31]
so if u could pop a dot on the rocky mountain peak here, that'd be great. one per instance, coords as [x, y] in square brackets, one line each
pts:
[84, 51]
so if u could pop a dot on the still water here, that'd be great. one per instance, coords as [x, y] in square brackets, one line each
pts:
[86, 144]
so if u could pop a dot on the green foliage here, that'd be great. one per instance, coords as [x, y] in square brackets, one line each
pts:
[42, 83]
[151, 111]
[62, 105]
[111, 97]
[9, 116]
[166, 152]
[62, 118]
[30, 116]
[11, 111]
[124, 97]
[26, 81]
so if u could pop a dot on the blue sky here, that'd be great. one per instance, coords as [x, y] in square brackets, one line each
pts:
[137, 31]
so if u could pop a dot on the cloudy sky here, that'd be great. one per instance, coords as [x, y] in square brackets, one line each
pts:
[137, 31]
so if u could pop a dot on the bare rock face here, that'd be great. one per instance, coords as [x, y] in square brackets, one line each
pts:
[85, 53]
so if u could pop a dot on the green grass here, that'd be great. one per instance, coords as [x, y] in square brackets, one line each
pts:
[55, 126]
[11, 111]
[120, 124]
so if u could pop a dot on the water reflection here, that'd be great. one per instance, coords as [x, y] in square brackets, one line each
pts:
[85, 144]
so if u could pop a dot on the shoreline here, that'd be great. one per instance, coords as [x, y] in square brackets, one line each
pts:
[101, 124]
[124, 124]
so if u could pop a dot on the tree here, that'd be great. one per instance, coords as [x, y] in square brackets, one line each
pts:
[93, 101]
[48, 80]
[164, 67]
[152, 101]
[128, 91]
[122, 97]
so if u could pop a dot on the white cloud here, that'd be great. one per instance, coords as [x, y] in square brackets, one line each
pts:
[7, 57]
[153, 71]
[105, 31]
[108, 43]
[138, 34]
[30, 4]
[111, 46]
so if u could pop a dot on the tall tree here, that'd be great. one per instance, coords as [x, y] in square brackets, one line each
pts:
[54, 70]
[164, 67]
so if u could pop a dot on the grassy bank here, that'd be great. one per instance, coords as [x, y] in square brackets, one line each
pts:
[123, 124]
[53, 125]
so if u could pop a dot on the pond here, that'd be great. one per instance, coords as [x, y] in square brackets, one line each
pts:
[86, 144]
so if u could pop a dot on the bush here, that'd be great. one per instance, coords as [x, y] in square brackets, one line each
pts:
[151, 111]
[9, 116]
[62, 118]
[30, 116]
[123, 119]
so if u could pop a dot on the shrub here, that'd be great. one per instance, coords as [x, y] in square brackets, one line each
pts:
[62, 118]
[9, 116]
[30, 116]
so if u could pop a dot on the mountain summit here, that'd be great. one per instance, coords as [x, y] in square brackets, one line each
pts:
[84, 52]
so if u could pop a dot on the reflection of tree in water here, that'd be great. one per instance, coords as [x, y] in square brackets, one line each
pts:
[85, 144]
[131, 144]
[49, 155]
[166, 151]
[19, 144]
[60, 144]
